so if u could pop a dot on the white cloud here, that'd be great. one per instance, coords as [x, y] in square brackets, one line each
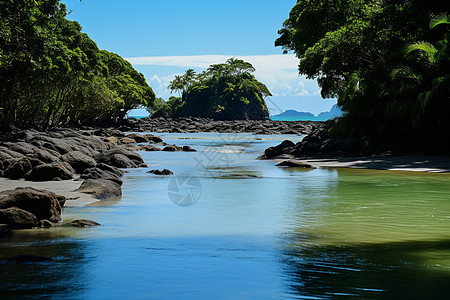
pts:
[278, 72]
[156, 80]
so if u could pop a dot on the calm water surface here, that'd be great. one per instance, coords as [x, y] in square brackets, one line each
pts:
[256, 232]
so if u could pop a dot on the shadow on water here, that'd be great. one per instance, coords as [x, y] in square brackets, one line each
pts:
[377, 271]
[54, 277]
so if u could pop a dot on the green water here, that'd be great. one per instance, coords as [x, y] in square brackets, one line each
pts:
[256, 232]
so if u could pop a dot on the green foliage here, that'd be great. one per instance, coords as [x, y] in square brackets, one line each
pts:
[223, 91]
[356, 51]
[53, 74]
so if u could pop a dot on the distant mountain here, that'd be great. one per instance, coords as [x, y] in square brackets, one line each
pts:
[294, 113]
[334, 112]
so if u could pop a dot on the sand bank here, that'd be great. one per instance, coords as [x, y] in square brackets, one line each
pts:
[415, 163]
[65, 188]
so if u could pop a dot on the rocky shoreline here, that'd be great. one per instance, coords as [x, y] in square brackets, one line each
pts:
[94, 157]
[195, 125]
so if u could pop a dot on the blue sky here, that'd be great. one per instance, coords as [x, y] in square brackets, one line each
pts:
[164, 38]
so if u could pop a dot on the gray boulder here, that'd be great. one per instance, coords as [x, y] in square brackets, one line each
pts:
[48, 172]
[96, 173]
[84, 223]
[100, 188]
[79, 161]
[18, 169]
[17, 218]
[42, 204]
[161, 172]
[120, 158]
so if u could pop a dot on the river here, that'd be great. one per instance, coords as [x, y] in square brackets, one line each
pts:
[228, 226]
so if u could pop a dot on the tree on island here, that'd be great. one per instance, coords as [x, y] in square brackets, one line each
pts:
[52, 74]
[362, 53]
[225, 91]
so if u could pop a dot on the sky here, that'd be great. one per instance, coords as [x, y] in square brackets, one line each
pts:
[165, 38]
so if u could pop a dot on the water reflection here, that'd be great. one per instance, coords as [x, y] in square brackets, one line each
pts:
[49, 279]
[378, 271]
[371, 235]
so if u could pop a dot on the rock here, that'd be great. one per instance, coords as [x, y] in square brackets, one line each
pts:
[118, 172]
[172, 148]
[283, 148]
[120, 158]
[112, 140]
[96, 173]
[47, 155]
[18, 169]
[188, 149]
[126, 140]
[47, 172]
[79, 161]
[294, 164]
[42, 204]
[154, 138]
[84, 223]
[45, 224]
[17, 218]
[100, 188]
[122, 161]
[138, 138]
[21, 147]
[161, 172]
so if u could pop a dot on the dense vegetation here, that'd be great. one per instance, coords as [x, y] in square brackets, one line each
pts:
[223, 92]
[53, 74]
[387, 62]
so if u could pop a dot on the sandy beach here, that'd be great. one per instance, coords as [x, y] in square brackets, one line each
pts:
[413, 163]
[65, 188]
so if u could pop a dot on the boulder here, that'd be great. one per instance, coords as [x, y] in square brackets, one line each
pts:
[189, 149]
[118, 172]
[47, 155]
[126, 140]
[17, 218]
[161, 172]
[45, 224]
[283, 148]
[172, 148]
[295, 164]
[100, 188]
[18, 169]
[154, 138]
[42, 204]
[120, 158]
[84, 223]
[96, 173]
[139, 138]
[48, 172]
[112, 140]
[79, 161]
